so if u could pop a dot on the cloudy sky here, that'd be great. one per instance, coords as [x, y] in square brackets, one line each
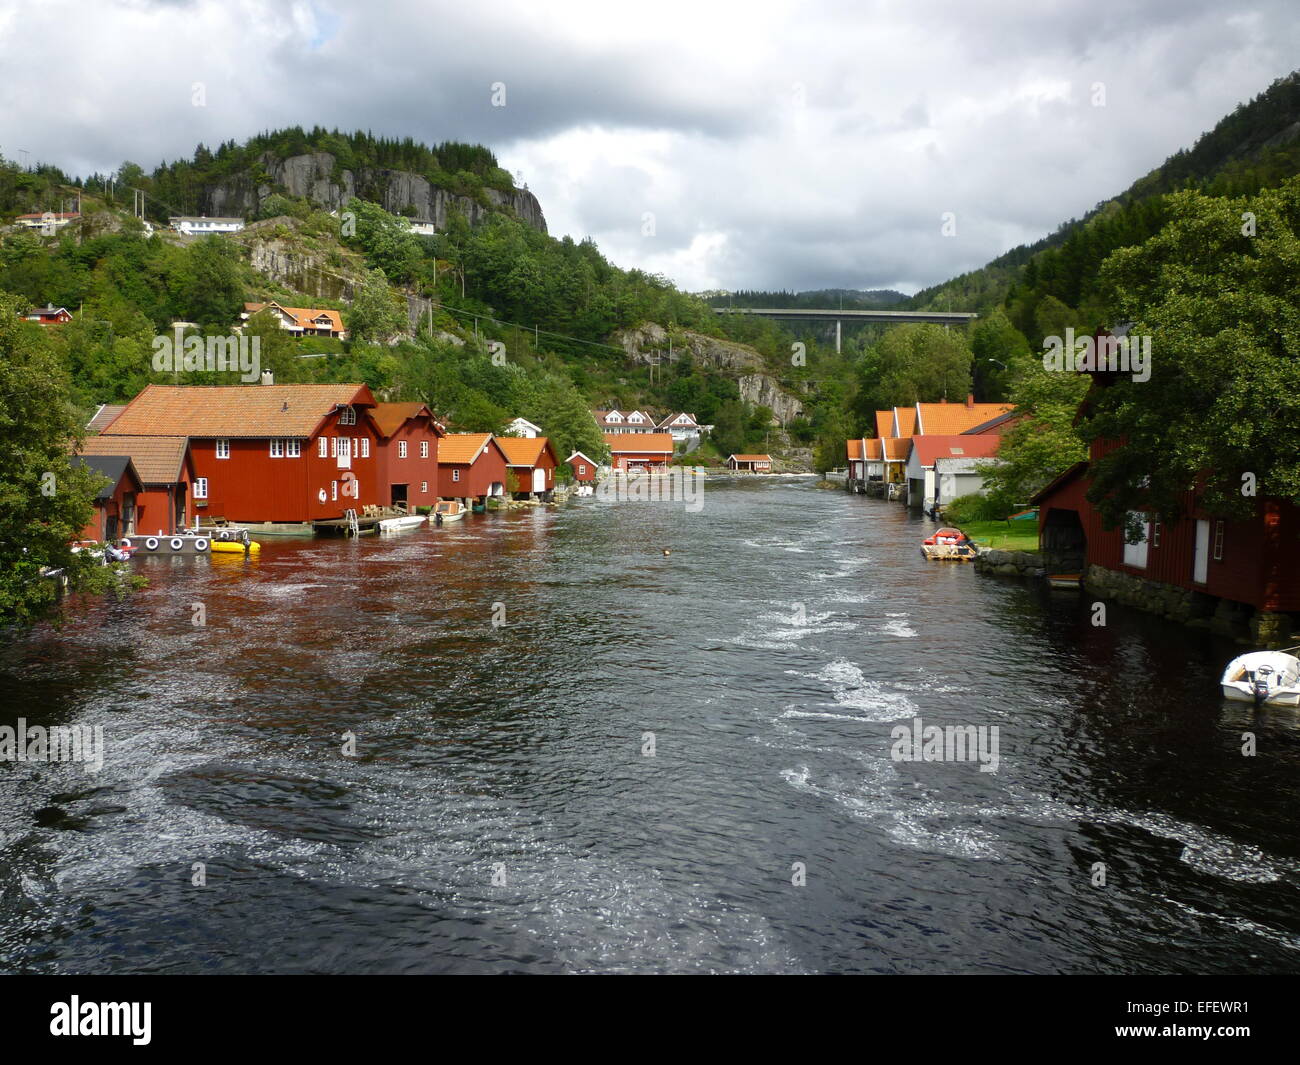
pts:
[726, 145]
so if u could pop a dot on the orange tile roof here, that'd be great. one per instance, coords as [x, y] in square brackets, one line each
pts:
[884, 423]
[949, 419]
[389, 417]
[158, 459]
[873, 448]
[638, 442]
[303, 317]
[523, 450]
[234, 410]
[906, 420]
[462, 448]
[897, 448]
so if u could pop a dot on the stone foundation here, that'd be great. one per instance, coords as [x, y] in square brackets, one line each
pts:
[1238, 621]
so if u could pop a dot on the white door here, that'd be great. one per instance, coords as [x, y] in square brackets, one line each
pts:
[1135, 555]
[539, 480]
[1201, 560]
[345, 453]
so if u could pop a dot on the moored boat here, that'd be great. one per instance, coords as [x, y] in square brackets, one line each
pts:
[406, 521]
[1265, 678]
[448, 510]
[948, 545]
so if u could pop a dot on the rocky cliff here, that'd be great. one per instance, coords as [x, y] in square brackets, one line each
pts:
[649, 342]
[317, 177]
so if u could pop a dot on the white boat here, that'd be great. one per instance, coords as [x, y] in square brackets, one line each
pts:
[448, 510]
[407, 521]
[1265, 678]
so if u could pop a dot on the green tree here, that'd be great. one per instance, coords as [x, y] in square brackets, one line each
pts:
[375, 314]
[45, 501]
[1222, 406]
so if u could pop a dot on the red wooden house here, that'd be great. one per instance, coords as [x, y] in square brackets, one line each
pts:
[50, 315]
[584, 469]
[530, 464]
[1250, 561]
[471, 466]
[284, 454]
[639, 451]
[408, 453]
[165, 503]
[115, 504]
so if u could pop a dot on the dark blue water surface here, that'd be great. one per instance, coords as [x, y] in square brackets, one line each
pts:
[500, 814]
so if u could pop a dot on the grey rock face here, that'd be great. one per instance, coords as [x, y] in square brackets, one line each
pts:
[317, 177]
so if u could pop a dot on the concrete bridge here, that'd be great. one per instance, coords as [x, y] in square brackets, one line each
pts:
[839, 316]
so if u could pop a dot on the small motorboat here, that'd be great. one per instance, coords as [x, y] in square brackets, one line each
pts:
[448, 510]
[405, 521]
[1265, 678]
[948, 545]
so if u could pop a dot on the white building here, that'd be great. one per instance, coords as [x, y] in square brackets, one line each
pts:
[523, 427]
[616, 421]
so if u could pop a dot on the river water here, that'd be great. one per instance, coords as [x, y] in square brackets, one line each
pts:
[503, 812]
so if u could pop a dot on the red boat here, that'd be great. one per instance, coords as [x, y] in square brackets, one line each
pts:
[948, 544]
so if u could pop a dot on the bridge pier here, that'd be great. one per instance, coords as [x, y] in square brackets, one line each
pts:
[837, 336]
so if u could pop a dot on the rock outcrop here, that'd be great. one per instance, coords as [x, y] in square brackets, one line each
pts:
[317, 177]
[649, 343]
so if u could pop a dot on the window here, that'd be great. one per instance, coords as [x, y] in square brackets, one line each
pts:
[424, 486]
[365, 447]
[277, 449]
[1135, 555]
[334, 489]
[1218, 541]
[324, 449]
[348, 416]
[201, 488]
[293, 449]
[401, 449]
[223, 449]
[455, 475]
[1155, 535]
[582, 470]
[424, 449]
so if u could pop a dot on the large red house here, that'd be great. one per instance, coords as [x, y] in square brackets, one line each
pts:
[471, 466]
[530, 462]
[408, 453]
[165, 503]
[284, 454]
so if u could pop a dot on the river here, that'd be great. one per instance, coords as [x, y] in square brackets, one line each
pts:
[652, 763]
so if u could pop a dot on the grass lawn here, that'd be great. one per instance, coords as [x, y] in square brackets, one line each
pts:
[1004, 536]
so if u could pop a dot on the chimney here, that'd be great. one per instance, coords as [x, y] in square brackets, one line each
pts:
[970, 400]
[268, 378]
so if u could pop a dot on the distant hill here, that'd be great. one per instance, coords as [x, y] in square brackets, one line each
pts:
[1256, 146]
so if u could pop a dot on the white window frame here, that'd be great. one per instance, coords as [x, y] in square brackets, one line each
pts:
[334, 490]
[323, 447]
[401, 449]
[365, 447]
[424, 449]
[293, 449]
[200, 488]
[1217, 553]
[1136, 555]
[347, 415]
[276, 448]
[334, 447]
[582, 469]
[455, 475]
[424, 486]
[222, 449]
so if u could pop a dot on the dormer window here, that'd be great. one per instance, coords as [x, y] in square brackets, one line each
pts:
[347, 415]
